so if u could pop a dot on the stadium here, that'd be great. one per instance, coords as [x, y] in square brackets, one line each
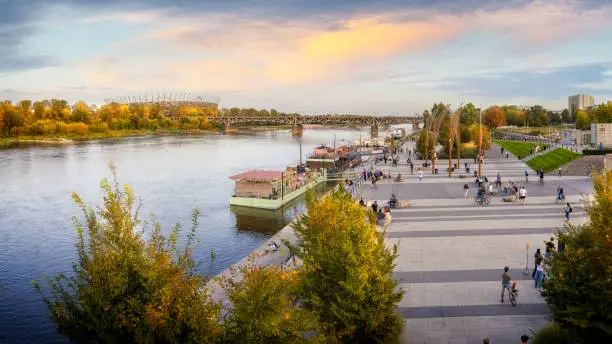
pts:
[169, 101]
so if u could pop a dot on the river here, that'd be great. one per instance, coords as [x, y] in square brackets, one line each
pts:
[172, 174]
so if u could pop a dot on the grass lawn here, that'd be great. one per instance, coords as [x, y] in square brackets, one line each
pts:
[552, 160]
[518, 148]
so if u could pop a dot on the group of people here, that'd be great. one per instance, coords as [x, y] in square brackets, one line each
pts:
[383, 214]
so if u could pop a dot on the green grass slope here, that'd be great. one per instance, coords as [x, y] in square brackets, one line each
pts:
[553, 160]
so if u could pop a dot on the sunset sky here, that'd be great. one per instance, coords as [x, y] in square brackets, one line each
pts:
[309, 56]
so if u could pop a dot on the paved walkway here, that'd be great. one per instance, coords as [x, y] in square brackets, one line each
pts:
[451, 253]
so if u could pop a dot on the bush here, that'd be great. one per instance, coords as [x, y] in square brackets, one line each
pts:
[125, 288]
[347, 273]
[551, 334]
[265, 309]
[78, 129]
[98, 127]
[597, 151]
[579, 287]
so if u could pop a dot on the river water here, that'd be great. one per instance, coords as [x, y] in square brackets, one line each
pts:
[172, 174]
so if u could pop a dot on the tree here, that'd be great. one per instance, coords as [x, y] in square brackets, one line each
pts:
[554, 118]
[421, 144]
[582, 120]
[514, 116]
[537, 116]
[469, 114]
[603, 113]
[11, 117]
[347, 273]
[565, 116]
[128, 289]
[81, 113]
[486, 136]
[494, 117]
[265, 308]
[579, 287]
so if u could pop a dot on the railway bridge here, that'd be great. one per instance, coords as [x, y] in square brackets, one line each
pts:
[298, 121]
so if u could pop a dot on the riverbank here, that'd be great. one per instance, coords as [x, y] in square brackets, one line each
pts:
[9, 142]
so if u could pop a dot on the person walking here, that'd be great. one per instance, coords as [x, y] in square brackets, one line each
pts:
[550, 246]
[522, 194]
[467, 169]
[411, 167]
[539, 276]
[507, 155]
[567, 210]
[526, 176]
[537, 260]
[498, 181]
[420, 175]
[466, 189]
[506, 282]
[559, 172]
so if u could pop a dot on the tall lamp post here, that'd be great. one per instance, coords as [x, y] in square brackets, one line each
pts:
[480, 142]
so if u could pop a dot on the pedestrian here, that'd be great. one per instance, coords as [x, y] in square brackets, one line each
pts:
[518, 157]
[524, 339]
[475, 161]
[559, 172]
[420, 175]
[568, 210]
[498, 181]
[411, 167]
[375, 207]
[526, 176]
[506, 279]
[466, 189]
[539, 276]
[537, 260]
[506, 155]
[522, 194]
[550, 247]
[467, 170]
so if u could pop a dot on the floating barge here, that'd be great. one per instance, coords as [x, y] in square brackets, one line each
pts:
[272, 189]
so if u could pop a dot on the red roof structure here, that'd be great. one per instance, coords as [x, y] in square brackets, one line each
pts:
[258, 175]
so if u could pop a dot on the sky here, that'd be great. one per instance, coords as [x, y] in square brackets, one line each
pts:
[381, 57]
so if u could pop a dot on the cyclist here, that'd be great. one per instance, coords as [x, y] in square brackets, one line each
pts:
[393, 201]
[506, 282]
[481, 192]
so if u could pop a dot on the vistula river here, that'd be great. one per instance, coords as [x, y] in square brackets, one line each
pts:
[172, 175]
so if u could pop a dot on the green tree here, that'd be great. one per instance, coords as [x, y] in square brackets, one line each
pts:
[128, 289]
[582, 120]
[554, 118]
[579, 287]
[565, 116]
[12, 118]
[603, 113]
[421, 144]
[514, 115]
[469, 114]
[266, 308]
[81, 113]
[347, 274]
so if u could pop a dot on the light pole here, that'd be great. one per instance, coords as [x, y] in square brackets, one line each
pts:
[480, 142]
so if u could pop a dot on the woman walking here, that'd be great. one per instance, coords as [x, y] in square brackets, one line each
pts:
[538, 260]
[567, 210]
[539, 277]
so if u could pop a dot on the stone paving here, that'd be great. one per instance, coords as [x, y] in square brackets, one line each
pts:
[452, 253]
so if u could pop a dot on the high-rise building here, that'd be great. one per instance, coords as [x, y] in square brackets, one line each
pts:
[580, 102]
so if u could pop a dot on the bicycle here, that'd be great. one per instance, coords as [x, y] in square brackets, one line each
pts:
[485, 200]
[513, 294]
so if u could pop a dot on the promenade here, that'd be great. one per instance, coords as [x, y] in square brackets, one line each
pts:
[452, 253]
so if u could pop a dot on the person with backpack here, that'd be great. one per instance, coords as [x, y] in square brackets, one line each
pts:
[568, 210]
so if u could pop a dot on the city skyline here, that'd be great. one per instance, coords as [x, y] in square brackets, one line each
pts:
[389, 57]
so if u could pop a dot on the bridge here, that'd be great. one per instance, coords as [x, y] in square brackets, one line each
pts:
[298, 121]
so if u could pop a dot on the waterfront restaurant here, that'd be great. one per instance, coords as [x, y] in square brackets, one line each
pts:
[270, 189]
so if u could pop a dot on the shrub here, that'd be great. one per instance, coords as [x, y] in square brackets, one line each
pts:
[551, 334]
[597, 151]
[347, 273]
[78, 129]
[98, 127]
[265, 309]
[125, 288]
[579, 290]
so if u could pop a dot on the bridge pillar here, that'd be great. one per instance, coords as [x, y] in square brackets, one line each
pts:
[374, 131]
[297, 130]
[229, 128]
